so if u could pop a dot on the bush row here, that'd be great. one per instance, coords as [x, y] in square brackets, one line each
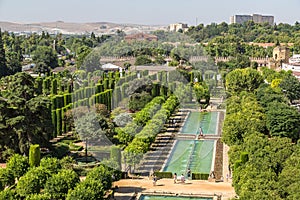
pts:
[163, 174]
[200, 176]
[142, 140]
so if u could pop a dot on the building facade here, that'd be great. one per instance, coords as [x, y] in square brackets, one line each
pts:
[256, 18]
[178, 26]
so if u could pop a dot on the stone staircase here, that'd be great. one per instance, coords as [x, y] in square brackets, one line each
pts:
[154, 159]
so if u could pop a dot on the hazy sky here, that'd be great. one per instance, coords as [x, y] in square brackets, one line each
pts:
[145, 11]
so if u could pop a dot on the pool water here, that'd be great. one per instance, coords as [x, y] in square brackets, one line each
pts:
[156, 197]
[206, 120]
[194, 154]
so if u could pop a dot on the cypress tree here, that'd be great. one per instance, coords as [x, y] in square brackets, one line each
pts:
[54, 86]
[3, 67]
[58, 121]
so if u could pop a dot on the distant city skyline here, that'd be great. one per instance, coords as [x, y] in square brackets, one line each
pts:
[154, 12]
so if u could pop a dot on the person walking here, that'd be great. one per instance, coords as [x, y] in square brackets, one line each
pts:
[189, 173]
[154, 180]
[182, 178]
[175, 178]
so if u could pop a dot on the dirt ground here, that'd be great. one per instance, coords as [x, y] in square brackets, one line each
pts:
[128, 188]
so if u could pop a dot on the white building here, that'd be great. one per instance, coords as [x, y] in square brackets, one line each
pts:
[295, 59]
[178, 26]
[256, 18]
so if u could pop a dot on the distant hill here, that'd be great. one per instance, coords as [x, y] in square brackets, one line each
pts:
[98, 28]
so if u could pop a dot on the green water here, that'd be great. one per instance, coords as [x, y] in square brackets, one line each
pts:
[155, 197]
[194, 154]
[206, 120]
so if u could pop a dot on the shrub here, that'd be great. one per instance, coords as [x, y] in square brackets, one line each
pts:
[67, 162]
[6, 178]
[163, 174]
[18, 165]
[32, 182]
[7, 195]
[87, 190]
[38, 197]
[59, 184]
[34, 155]
[101, 174]
[200, 176]
[51, 164]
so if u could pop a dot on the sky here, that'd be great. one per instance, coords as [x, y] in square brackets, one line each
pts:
[150, 12]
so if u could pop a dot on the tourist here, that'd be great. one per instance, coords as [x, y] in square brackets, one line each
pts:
[189, 173]
[151, 174]
[175, 177]
[154, 180]
[212, 174]
[182, 178]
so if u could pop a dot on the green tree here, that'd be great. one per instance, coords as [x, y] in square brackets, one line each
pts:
[89, 129]
[238, 123]
[287, 180]
[82, 52]
[41, 67]
[243, 80]
[45, 54]
[143, 60]
[282, 120]
[291, 87]
[13, 62]
[3, 67]
[202, 94]
[138, 101]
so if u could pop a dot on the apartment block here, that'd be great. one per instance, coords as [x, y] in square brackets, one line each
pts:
[256, 18]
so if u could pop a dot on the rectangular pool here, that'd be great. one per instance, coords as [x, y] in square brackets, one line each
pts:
[208, 121]
[194, 154]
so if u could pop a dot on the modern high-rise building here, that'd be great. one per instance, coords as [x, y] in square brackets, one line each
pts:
[256, 18]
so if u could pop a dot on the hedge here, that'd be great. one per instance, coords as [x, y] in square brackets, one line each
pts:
[152, 128]
[200, 176]
[34, 155]
[163, 174]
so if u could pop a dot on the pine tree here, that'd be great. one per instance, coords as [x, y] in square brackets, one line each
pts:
[3, 67]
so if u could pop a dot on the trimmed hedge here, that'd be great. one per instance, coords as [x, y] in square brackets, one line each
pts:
[163, 174]
[200, 176]
[34, 155]
[143, 140]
